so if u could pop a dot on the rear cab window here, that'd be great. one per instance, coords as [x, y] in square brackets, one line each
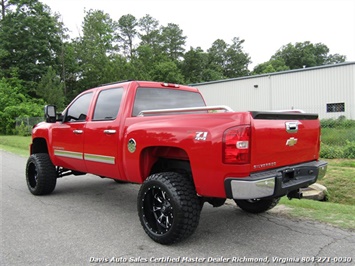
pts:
[160, 98]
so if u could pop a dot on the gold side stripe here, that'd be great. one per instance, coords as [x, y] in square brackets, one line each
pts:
[69, 154]
[87, 156]
[99, 158]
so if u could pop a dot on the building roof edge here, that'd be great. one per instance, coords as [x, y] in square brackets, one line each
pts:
[275, 73]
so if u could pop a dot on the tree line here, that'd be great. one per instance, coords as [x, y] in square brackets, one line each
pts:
[40, 63]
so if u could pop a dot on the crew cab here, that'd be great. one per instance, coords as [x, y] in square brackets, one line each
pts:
[183, 152]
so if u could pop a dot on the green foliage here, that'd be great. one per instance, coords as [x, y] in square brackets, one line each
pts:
[3, 5]
[273, 65]
[341, 122]
[50, 89]
[299, 55]
[127, 25]
[168, 72]
[194, 64]
[13, 104]
[40, 65]
[338, 138]
[331, 151]
[70, 73]
[31, 40]
[236, 61]
[150, 34]
[338, 131]
[95, 50]
[306, 54]
[228, 60]
[173, 41]
[349, 150]
[23, 130]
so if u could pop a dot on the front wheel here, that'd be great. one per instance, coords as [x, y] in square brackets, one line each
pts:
[168, 207]
[41, 175]
[257, 205]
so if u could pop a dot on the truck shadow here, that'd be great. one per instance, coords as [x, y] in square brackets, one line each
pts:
[114, 200]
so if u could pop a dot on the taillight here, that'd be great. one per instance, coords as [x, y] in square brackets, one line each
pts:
[236, 145]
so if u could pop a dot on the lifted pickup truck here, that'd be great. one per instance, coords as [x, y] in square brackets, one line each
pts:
[183, 152]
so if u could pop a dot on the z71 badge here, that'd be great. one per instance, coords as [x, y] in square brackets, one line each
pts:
[201, 135]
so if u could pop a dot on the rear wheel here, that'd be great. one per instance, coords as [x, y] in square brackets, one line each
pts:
[168, 207]
[257, 205]
[41, 175]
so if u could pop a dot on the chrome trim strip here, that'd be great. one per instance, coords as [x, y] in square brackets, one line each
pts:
[253, 189]
[188, 109]
[85, 156]
[69, 154]
[99, 158]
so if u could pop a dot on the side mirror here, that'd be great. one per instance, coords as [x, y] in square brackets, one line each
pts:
[50, 113]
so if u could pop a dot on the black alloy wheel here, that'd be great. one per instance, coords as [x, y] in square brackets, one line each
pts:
[41, 176]
[168, 207]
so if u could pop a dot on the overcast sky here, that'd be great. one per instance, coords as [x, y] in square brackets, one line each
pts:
[265, 25]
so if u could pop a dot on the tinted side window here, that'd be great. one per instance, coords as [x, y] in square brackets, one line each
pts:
[78, 111]
[151, 98]
[108, 104]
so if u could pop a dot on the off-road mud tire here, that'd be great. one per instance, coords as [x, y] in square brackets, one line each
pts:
[168, 207]
[41, 175]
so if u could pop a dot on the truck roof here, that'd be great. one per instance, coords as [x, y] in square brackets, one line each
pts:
[147, 84]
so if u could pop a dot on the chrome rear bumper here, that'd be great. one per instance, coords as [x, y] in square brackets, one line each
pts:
[275, 183]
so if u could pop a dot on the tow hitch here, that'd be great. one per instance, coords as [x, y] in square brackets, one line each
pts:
[295, 194]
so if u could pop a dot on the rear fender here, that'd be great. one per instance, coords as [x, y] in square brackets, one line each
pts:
[163, 159]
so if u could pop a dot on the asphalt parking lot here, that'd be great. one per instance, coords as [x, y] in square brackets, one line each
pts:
[92, 221]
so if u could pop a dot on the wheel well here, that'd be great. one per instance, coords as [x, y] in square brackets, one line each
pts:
[39, 145]
[164, 159]
[172, 165]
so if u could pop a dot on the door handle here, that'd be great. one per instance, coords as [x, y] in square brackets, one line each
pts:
[77, 131]
[109, 131]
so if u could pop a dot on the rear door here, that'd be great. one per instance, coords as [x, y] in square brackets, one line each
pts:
[281, 139]
[102, 152]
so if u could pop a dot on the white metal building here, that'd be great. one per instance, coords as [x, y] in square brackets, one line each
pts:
[327, 90]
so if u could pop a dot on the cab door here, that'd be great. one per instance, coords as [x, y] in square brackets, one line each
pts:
[68, 136]
[102, 152]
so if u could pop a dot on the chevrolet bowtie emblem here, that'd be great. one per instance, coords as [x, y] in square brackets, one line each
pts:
[291, 141]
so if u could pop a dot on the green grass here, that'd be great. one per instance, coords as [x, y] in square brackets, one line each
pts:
[340, 182]
[340, 215]
[339, 210]
[15, 144]
[337, 136]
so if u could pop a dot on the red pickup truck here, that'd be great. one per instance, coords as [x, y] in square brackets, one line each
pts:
[183, 152]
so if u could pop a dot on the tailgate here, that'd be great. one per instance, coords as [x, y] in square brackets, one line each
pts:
[281, 139]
